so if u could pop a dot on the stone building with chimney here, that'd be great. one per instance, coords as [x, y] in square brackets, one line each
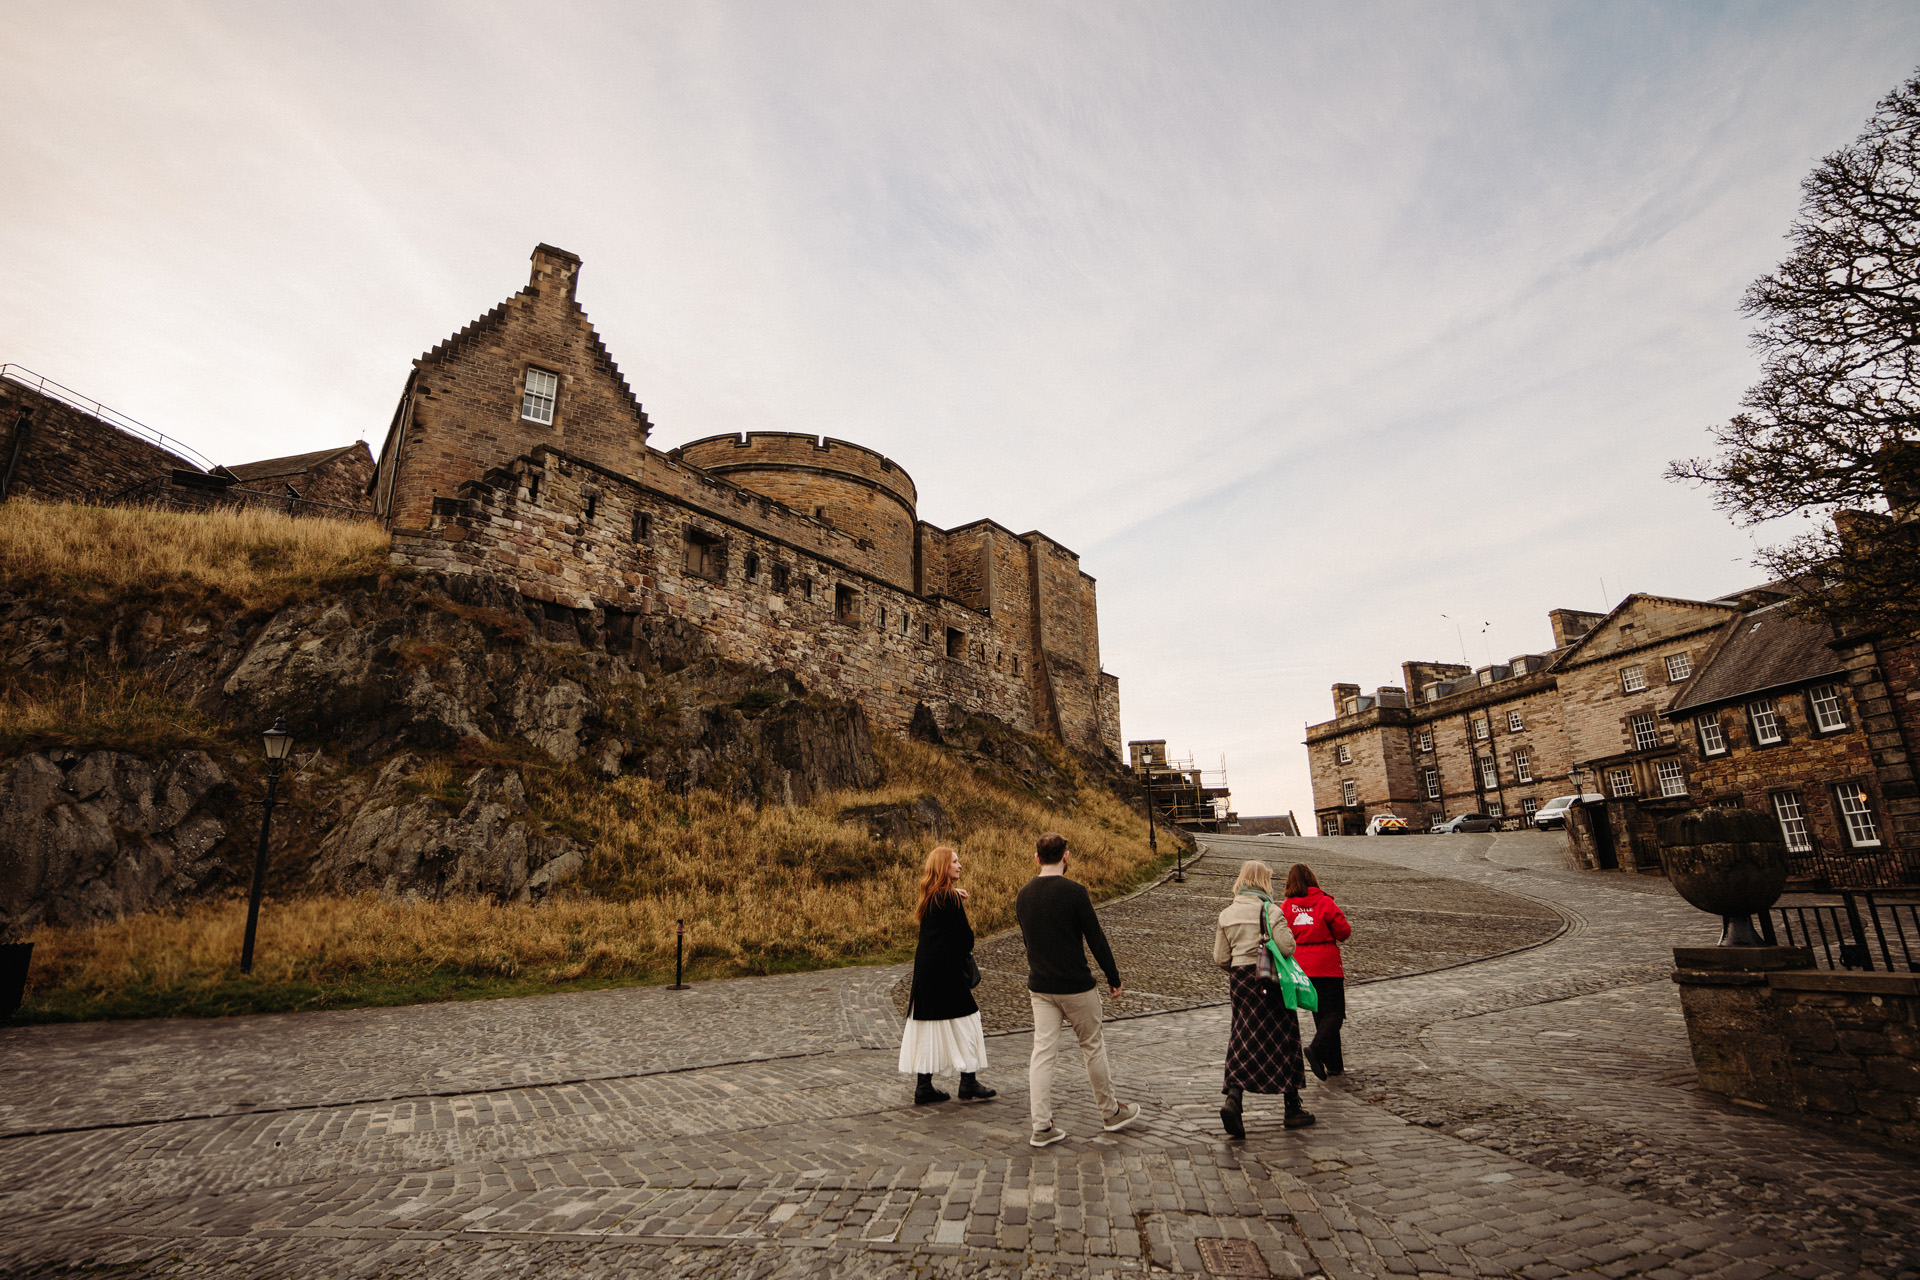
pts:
[518, 450]
[1656, 707]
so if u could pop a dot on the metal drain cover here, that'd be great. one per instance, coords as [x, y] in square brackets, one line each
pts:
[1232, 1257]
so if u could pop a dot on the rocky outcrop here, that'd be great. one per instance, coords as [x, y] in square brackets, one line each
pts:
[93, 836]
[400, 842]
[383, 678]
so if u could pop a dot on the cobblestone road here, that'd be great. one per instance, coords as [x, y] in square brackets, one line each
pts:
[1530, 1115]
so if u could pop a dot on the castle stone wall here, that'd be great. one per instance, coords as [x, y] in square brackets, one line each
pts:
[58, 453]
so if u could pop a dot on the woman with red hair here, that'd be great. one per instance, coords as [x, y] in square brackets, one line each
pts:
[943, 1022]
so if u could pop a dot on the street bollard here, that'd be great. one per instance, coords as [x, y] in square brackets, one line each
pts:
[679, 954]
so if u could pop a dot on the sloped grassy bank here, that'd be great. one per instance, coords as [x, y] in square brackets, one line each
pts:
[762, 887]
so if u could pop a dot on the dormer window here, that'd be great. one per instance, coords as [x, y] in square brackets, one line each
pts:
[543, 389]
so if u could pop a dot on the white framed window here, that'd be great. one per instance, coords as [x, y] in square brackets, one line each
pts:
[1523, 764]
[1829, 713]
[1620, 782]
[1480, 730]
[1633, 679]
[1343, 755]
[1712, 741]
[1514, 724]
[1349, 794]
[1679, 667]
[1530, 805]
[1426, 739]
[1496, 811]
[1673, 778]
[1330, 825]
[1433, 783]
[1646, 731]
[542, 390]
[1489, 772]
[1766, 721]
[1793, 821]
[1862, 833]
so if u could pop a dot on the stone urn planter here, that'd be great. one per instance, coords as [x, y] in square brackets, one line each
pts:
[1731, 862]
[14, 957]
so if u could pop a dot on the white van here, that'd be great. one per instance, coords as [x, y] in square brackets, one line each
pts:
[1554, 812]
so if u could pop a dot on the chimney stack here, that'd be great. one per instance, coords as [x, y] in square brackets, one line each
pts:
[554, 269]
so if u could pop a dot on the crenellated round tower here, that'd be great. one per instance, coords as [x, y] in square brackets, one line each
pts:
[854, 489]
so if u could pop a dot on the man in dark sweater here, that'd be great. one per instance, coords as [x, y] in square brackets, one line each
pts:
[1056, 918]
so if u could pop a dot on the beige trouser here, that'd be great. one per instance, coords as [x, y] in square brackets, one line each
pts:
[1082, 1012]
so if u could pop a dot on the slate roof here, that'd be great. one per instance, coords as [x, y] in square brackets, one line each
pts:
[1769, 648]
[297, 464]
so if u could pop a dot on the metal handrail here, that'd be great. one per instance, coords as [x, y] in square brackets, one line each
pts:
[112, 417]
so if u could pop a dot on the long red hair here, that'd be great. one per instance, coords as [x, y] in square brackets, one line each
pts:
[937, 880]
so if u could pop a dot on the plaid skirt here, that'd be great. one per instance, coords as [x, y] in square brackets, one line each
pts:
[1263, 1050]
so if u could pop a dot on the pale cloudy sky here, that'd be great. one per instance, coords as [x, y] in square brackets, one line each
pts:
[1304, 324]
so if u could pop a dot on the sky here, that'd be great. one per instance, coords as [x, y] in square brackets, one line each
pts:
[1329, 336]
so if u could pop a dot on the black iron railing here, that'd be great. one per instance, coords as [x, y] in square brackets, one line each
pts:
[1864, 929]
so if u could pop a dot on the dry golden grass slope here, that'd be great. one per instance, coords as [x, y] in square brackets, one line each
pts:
[257, 559]
[760, 889]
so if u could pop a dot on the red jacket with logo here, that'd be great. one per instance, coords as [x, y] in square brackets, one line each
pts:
[1319, 927]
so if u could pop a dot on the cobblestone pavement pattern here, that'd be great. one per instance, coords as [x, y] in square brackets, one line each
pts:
[1530, 1114]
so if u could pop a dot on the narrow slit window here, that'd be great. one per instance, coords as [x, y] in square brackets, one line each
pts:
[542, 390]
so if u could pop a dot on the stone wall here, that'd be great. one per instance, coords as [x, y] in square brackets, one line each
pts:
[58, 453]
[583, 538]
[848, 487]
[1842, 1049]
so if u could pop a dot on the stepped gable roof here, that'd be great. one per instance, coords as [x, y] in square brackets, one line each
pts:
[495, 316]
[1569, 655]
[1769, 648]
[296, 464]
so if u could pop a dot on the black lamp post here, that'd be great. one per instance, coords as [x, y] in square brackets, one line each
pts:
[279, 742]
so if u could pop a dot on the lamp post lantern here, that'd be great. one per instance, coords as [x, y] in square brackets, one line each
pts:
[278, 743]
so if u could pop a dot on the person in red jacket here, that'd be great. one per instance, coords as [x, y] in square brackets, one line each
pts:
[1319, 927]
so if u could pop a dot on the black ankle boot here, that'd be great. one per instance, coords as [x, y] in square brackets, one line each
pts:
[971, 1090]
[1298, 1117]
[924, 1092]
[1230, 1118]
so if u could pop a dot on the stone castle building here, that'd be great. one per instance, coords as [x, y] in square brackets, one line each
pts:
[1656, 707]
[518, 450]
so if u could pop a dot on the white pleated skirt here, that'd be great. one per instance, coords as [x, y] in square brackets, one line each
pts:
[932, 1048]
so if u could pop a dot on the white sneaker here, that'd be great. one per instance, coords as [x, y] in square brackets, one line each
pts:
[1126, 1115]
[1048, 1136]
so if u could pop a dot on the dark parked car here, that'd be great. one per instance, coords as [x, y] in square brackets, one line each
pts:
[1467, 822]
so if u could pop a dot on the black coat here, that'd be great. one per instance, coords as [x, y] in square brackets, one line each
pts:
[940, 989]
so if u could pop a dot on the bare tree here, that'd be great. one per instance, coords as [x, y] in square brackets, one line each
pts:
[1830, 429]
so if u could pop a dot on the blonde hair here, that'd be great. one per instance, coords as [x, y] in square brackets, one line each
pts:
[937, 879]
[1255, 873]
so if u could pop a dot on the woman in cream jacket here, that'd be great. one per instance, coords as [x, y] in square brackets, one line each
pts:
[1263, 1049]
